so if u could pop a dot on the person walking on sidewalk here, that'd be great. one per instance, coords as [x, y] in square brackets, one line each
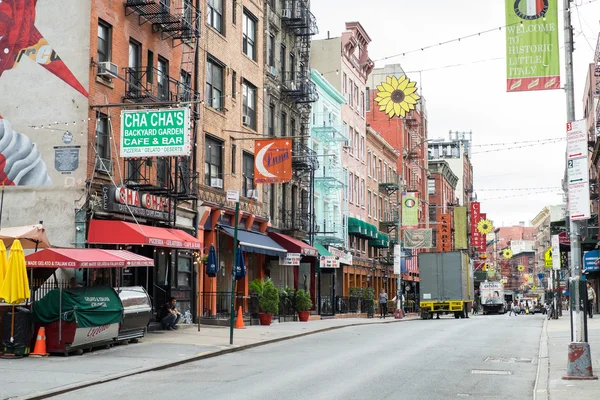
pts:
[591, 297]
[383, 298]
[169, 316]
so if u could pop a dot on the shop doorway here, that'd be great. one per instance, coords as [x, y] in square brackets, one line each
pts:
[327, 291]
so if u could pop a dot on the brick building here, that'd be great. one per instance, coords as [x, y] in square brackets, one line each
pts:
[441, 188]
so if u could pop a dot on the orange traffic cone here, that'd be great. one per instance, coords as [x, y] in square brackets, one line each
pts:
[239, 322]
[40, 344]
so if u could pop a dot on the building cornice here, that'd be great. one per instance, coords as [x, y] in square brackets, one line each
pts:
[442, 167]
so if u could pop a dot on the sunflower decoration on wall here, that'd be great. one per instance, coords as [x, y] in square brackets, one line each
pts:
[485, 226]
[507, 253]
[521, 268]
[397, 97]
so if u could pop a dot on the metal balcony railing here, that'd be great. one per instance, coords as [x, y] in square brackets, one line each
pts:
[303, 157]
[148, 84]
[296, 15]
[298, 221]
[176, 19]
[298, 87]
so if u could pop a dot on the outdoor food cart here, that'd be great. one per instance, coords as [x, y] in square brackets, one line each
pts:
[84, 318]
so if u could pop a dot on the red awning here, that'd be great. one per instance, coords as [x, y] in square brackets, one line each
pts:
[127, 233]
[86, 258]
[293, 245]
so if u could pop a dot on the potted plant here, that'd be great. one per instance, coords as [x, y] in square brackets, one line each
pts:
[303, 305]
[268, 299]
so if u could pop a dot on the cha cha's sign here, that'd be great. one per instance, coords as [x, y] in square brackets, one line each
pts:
[127, 201]
[155, 133]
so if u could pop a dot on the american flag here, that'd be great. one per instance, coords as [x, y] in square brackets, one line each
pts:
[411, 261]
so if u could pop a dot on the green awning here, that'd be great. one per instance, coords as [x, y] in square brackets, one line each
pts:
[382, 241]
[356, 226]
[322, 250]
[372, 231]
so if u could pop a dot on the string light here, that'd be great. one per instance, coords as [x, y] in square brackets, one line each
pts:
[517, 142]
[519, 147]
[518, 189]
[521, 195]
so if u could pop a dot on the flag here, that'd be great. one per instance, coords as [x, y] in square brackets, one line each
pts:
[460, 228]
[410, 210]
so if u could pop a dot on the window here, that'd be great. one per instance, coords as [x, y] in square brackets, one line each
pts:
[133, 169]
[350, 188]
[214, 83]
[271, 120]
[283, 124]
[351, 137]
[369, 163]
[375, 205]
[249, 36]
[380, 171]
[184, 271]
[271, 51]
[135, 63]
[162, 172]
[344, 84]
[215, 14]
[431, 186]
[150, 68]
[272, 206]
[374, 167]
[349, 98]
[292, 67]
[104, 41]
[356, 143]
[367, 100]
[234, 12]
[362, 193]
[233, 158]
[162, 78]
[249, 104]
[292, 127]
[362, 103]
[102, 141]
[380, 207]
[356, 96]
[233, 84]
[248, 174]
[213, 163]
[362, 148]
[357, 190]
[369, 203]
[346, 186]
[282, 53]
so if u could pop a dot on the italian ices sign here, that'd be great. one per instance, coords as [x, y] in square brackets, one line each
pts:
[155, 133]
[532, 61]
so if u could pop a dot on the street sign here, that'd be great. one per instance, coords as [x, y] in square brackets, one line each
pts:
[579, 201]
[397, 260]
[577, 170]
[155, 133]
[555, 252]
[576, 139]
[563, 238]
[548, 258]
[233, 195]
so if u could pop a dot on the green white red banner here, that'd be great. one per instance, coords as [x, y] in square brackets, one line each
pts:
[532, 50]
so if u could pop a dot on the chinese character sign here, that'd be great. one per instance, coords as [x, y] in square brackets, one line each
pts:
[444, 233]
[475, 218]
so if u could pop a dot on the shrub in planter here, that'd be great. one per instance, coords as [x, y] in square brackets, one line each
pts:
[303, 305]
[268, 299]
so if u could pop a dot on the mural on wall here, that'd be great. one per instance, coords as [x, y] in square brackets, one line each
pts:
[397, 96]
[21, 162]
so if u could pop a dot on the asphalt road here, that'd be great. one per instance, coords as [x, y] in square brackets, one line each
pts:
[483, 357]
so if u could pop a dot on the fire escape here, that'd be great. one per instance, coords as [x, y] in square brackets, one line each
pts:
[329, 181]
[178, 21]
[298, 88]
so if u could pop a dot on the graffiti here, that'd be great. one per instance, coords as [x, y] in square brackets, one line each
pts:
[21, 162]
[186, 318]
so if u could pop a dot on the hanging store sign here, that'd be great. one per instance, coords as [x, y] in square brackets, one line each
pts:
[329, 262]
[340, 255]
[460, 228]
[290, 259]
[532, 49]
[273, 161]
[127, 201]
[410, 210]
[475, 218]
[444, 233]
[155, 133]
[483, 238]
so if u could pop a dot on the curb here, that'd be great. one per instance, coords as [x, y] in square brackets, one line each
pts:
[543, 368]
[171, 364]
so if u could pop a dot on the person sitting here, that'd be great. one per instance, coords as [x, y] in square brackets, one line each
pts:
[169, 316]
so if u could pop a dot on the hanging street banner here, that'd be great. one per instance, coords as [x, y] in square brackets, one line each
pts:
[577, 171]
[555, 252]
[273, 161]
[460, 228]
[483, 238]
[410, 210]
[155, 133]
[532, 49]
[444, 239]
[475, 218]
[418, 238]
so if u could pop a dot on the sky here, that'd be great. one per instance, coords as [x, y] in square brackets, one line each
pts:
[512, 185]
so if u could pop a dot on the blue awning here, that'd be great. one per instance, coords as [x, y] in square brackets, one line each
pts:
[256, 242]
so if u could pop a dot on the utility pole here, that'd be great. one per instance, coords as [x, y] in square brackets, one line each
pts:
[579, 365]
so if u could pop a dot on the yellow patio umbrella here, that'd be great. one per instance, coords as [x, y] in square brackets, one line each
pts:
[15, 288]
[3, 262]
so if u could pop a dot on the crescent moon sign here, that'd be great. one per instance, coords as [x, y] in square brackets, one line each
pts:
[259, 162]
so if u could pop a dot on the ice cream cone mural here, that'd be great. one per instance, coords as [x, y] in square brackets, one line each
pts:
[21, 162]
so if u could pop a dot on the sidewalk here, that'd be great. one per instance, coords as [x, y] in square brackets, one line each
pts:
[33, 377]
[558, 335]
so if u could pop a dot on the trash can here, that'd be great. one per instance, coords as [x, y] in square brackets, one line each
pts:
[79, 318]
[137, 312]
[23, 331]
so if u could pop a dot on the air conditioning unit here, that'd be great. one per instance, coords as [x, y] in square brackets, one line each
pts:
[108, 69]
[246, 120]
[103, 165]
[273, 71]
[216, 183]
[286, 13]
[253, 194]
